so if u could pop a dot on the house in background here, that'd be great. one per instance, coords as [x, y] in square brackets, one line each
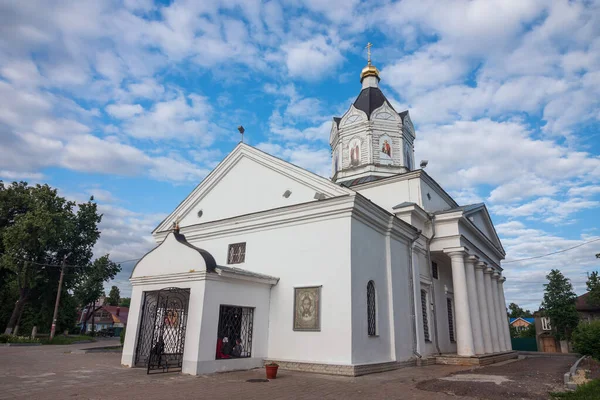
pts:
[105, 317]
[587, 312]
[521, 324]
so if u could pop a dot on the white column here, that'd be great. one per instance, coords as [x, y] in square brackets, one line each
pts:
[491, 309]
[498, 314]
[473, 306]
[483, 308]
[503, 301]
[464, 336]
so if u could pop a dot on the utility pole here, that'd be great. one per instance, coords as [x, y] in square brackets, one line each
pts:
[60, 281]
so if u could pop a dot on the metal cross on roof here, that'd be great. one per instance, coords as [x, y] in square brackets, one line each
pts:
[368, 47]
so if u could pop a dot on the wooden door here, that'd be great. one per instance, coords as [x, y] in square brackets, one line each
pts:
[549, 345]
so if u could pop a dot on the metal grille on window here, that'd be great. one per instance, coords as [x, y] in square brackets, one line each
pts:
[371, 309]
[434, 270]
[425, 319]
[234, 336]
[237, 253]
[450, 320]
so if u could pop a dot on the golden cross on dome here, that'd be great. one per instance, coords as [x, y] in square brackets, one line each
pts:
[368, 47]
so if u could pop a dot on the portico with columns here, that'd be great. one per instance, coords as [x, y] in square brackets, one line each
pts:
[467, 240]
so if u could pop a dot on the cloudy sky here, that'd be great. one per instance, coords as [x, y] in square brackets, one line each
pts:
[135, 101]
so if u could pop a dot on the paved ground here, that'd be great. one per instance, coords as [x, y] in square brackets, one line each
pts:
[531, 378]
[64, 372]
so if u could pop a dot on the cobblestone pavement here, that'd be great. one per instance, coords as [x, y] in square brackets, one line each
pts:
[65, 372]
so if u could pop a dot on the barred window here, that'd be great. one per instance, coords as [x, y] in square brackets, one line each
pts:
[450, 320]
[434, 270]
[425, 317]
[371, 309]
[237, 253]
[234, 336]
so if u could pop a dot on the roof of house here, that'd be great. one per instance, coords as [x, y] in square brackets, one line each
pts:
[583, 305]
[530, 320]
[123, 313]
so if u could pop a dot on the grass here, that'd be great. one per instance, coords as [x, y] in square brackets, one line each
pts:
[17, 339]
[60, 339]
[588, 391]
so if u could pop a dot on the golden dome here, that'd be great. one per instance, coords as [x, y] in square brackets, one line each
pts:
[369, 70]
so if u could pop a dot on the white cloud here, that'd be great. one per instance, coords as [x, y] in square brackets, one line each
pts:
[313, 59]
[123, 111]
[548, 209]
[525, 279]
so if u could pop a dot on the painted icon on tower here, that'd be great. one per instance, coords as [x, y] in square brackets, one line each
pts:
[385, 150]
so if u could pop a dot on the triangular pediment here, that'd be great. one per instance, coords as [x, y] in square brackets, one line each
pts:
[480, 217]
[248, 181]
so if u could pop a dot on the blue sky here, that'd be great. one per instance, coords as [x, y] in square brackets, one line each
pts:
[135, 102]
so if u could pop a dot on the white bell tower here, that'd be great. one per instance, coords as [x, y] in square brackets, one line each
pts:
[371, 140]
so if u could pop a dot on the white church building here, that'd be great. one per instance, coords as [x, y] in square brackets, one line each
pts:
[375, 268]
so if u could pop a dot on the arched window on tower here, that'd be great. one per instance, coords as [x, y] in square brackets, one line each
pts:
[371, 309]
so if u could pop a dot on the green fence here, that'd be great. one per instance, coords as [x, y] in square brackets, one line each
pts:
[524, 344]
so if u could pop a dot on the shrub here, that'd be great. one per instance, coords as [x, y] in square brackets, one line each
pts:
[586, 339]
[587, 391]
[123, 336]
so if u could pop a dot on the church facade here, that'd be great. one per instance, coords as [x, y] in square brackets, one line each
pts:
[370, 270]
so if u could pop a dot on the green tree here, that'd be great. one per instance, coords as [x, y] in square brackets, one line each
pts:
[559, 304]
[114, 296]
[125, 301]
[517, 312]
[37, 229]
[593, 286]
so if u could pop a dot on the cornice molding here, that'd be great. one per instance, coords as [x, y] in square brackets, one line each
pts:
[336, 207]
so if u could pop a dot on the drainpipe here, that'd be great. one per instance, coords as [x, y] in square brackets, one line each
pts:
[433, 311]
[412, 297]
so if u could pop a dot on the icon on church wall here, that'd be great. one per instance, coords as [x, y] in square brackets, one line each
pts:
[355, 152]
[307, 308]
[385, 149]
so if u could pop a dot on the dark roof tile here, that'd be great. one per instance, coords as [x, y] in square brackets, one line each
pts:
[370, 99]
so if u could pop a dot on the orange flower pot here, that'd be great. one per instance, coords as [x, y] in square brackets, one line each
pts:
[271, 371]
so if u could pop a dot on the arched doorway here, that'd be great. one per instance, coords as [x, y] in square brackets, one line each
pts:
[161, 336]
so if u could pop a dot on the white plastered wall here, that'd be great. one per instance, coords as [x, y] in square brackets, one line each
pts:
[309, 253]
[235, 293]
[369, 262]
[248, 187]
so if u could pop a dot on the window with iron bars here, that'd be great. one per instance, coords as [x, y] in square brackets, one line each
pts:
[450, 320]
[434, 270]
[237, 253]
[425, 315]
[371, 309]
[234, 336]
